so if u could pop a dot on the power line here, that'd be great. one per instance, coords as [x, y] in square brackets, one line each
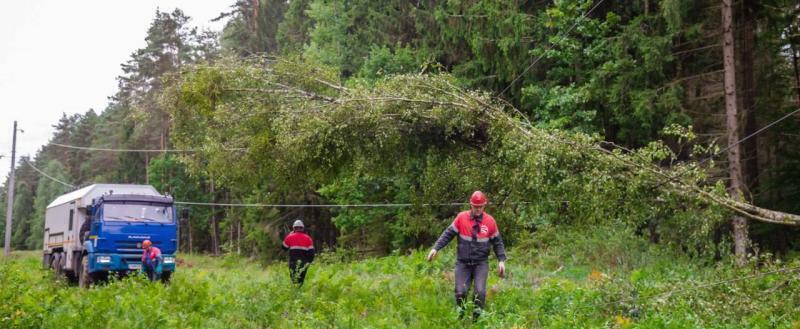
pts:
[362, 205]
[275, 205]
[359, 205]
[48, 176]
[84, 148]
[550, 46]
[669, 179]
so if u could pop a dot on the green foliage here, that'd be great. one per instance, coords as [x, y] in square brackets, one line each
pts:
[382, 61]
[415, 139]
[613, 74]
[23, 211]
[47, 190]
[170, 176]
[623, 74]
[345, 33]
[600, 277]
[253, 27]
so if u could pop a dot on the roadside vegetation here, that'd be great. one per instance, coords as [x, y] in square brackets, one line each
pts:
[578, 279]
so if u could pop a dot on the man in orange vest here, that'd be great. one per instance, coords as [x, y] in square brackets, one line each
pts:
[301, 252]
[477, 233]
[151, 260]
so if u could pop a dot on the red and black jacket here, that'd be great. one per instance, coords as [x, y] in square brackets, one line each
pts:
[475, 237]
[300, 246]
[151, 257]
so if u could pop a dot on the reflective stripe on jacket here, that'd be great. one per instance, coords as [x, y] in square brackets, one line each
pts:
[475, 237]
[300, 246]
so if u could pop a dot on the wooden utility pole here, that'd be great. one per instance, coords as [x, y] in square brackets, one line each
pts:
[740, 236]
[10, 206]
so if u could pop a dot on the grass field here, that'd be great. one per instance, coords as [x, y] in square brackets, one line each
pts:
[573, 282]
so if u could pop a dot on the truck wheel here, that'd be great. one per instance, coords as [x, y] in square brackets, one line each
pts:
[165, 276]
[52, 263]
[57, 266]
[84, 277]
[46, 259]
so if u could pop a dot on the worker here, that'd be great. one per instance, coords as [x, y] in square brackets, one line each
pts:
[301, 252]
[477, 232]
[151, 260]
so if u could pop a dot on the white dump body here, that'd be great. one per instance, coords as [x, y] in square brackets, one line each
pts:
[65, 215]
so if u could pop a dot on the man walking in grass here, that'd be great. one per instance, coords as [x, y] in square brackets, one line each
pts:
[477, 232]
[301, 252]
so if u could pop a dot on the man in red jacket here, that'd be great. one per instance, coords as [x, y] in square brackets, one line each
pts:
[151, 260]
[477, 232]
[301, 252]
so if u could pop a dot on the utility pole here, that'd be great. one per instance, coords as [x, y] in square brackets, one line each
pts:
[10, 206]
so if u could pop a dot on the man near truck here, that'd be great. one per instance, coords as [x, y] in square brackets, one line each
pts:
[477, 232]
[301, 252]
[151, 260]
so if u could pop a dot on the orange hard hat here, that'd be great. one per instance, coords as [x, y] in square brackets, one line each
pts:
[146, 244]
[478, 199]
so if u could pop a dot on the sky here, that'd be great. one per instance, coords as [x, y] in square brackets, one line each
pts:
[64, 57]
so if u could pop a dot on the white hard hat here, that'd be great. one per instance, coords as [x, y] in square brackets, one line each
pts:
[298, 223]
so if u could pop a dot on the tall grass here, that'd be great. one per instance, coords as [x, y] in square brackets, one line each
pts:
[575, 279]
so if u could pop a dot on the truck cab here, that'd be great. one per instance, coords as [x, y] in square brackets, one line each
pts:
[99, 229]
[116, 226]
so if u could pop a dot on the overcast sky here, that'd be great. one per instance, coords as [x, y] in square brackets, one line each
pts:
[64, 56]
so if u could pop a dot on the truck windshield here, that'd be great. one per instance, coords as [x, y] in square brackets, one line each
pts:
[137, 213]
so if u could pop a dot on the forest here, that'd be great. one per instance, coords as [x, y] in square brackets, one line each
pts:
[652, 124]
[640, 157]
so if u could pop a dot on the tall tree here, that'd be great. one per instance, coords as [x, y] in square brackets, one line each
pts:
[23, 212]
[732, 127]
[253, 26]
[47, 190]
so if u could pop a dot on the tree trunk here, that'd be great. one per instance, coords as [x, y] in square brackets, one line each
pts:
[796, 70]
[732, 127]
[751, 171]
[214, 222]
[189, 225]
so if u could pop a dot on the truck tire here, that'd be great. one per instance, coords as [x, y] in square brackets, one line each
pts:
[165, 276]
[57, 265]
[51, 264]
[46, 259]
[84, 277]
[72, 275]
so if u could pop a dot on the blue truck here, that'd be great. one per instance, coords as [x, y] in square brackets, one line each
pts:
[98, 230]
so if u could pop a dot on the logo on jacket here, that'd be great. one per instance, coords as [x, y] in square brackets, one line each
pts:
[484, 229]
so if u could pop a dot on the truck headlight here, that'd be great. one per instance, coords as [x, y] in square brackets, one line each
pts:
[103, 259]
[169, 260]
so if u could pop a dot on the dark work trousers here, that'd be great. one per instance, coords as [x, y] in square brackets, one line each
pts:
[298, 271]
[466, 273]
[150, 272]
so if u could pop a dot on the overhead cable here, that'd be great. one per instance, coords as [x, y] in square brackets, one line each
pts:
[46, 175]
[85, 148]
